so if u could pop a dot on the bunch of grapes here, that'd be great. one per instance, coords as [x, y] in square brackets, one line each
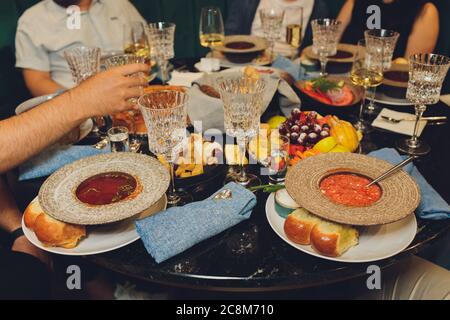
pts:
[303, 129]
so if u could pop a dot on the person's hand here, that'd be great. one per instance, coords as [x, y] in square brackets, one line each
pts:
[110, 91]
[23, 245]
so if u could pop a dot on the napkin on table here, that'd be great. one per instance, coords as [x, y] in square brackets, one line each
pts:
[52, 159]
[175, 230]
[446, 99]
[403, 127]
[184, 79]
[431, 206]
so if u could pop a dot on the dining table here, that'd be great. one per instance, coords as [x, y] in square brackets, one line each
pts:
[250, 257]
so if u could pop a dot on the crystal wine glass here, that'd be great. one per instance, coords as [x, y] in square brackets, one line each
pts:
[135, 40]
[242, 99]
[367, 72]
[84, 62]
[161, 36]
[271, 21]
[385, 40]
[165, 117]
[212, 31]
[326, 34]
[427, 72]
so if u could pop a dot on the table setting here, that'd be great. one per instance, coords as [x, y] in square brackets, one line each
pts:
[197, 187]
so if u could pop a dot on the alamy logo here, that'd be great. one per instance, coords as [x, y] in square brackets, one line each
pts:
[374, 280]
[73, 281]
[374, 20]
[73, 18]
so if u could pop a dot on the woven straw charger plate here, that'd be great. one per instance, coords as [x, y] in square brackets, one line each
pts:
[58, 199]
[400, 193]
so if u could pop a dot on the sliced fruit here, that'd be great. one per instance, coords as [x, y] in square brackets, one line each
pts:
[275, 121]
[340, 148]
[325, 145]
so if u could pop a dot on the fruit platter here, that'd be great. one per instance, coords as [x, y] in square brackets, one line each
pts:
[309, 134]
[331, 91]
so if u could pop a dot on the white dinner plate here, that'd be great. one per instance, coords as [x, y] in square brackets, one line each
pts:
[100, 239]
[382, 98]
[375, 243]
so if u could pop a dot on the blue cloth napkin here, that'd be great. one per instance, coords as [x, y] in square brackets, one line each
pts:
[431, 206]
[52, 159]
[294, 69]
[177, 229]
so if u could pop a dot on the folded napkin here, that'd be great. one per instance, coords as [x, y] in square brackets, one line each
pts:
[177, 229]
[431, 206]
[184, 78]
[403, 127]
[52, 159]
[289, 66]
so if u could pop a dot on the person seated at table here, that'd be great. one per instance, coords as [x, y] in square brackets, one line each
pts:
[417, 21]
[43, 36]
[26, 135]
[243, 18]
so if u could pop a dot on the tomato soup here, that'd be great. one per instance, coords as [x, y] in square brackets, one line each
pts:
[350, 190]
[106, 188]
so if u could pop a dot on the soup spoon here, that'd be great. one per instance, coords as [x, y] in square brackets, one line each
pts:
[392, 170]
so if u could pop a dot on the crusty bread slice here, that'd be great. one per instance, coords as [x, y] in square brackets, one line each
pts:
[332, 239]
[299, 224]
[31, 213]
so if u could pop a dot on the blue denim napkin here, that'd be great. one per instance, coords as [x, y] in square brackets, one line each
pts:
[431, 206]
[175, 230]
[294, 69]
[52, 159]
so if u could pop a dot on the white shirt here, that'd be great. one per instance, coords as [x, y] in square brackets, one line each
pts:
[291, 16]
[42, 34]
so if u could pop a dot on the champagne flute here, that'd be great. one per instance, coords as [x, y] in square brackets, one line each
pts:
[294, 34]
[367, 72]
[427, 72]
[325, 39]
[211, 30]
[165, 117]
[242, 99]
[385, 40]
[271, 21]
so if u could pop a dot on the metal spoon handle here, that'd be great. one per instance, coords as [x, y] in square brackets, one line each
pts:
[392, 170]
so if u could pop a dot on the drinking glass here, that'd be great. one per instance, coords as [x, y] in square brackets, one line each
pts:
[242, 99]
[212, 31]
[326, 34]
[165, 116]
[135, 40]
[385, 40]
[367, 72]
[294, 33]
[277, 162]
[271, 21]
[84, 62]
[119, 139]
[161, 36]
[427, 72]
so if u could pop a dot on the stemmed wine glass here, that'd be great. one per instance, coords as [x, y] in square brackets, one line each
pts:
[385, 40]
[122, 60]
[242, 99]
[211, 31]
[427, 72]
[165, 116]
[367, 72]
[294, 33]
[325, 39]
[84, 62]
[136, 41]
[161, 36]
[271, 21]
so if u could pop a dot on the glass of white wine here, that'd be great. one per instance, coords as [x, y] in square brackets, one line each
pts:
[294, 34]
[135, 40]
[212, 31]
[367, 72]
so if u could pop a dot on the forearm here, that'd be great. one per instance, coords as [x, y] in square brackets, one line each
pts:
[10, 216]
[27, 134]
[43, 87]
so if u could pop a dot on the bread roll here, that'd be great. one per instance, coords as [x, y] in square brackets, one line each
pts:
[51, 232]
[332, 239]
[299, 224]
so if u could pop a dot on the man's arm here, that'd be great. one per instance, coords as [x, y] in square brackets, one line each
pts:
[25, 135]
[39, 82]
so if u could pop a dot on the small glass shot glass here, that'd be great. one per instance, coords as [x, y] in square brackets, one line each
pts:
[119, 139]
[278, 160]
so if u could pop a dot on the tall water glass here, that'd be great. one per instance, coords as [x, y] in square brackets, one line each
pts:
[161, 36]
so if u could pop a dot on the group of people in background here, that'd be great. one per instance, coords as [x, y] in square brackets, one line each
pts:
[42, 37]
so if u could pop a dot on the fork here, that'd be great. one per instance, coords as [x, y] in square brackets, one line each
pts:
[393, 120]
